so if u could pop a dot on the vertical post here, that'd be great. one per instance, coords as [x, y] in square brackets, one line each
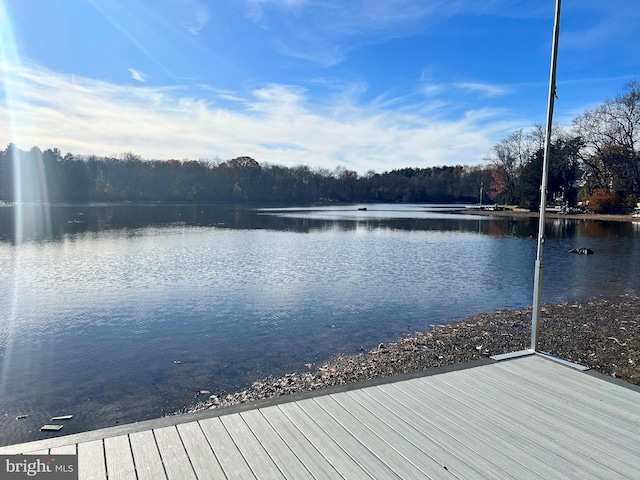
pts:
[537, 282]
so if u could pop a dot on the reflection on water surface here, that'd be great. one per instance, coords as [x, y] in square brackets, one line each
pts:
[99, 301]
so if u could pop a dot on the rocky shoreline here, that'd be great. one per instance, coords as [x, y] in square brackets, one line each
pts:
[603, 334]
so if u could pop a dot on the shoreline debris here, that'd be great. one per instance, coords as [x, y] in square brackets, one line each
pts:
[51, 428]
[62, 417]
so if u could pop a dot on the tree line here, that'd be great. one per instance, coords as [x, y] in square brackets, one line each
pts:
[596, 160]
[36, 176]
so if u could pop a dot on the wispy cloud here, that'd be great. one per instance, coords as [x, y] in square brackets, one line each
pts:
[256, 8]
[137, 75]
[325, 31]
[485, 90]
[199, 15]
[275, 123]
[454, 96]
[229, 95]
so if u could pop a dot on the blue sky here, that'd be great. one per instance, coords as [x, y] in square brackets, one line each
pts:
[367, 85]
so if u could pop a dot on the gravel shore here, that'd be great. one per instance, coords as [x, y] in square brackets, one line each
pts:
[601, 334]
[522, 213]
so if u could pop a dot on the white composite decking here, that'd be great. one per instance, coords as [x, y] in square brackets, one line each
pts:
[528, 417]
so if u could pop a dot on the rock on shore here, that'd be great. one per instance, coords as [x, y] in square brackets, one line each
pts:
[601, 334]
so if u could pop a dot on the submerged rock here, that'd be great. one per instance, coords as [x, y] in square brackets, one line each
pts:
[581, 251]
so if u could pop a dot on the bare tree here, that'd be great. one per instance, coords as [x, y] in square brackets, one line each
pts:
[611, 135]
[508, 157]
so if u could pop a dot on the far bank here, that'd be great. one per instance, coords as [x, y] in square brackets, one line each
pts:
[523, 213]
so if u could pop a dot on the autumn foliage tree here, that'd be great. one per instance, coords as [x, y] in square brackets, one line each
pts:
[599, 153]
[611, 136]
[604, 201]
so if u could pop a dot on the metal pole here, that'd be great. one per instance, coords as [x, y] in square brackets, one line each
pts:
[537, 283]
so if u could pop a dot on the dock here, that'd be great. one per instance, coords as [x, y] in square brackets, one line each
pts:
[528, 417]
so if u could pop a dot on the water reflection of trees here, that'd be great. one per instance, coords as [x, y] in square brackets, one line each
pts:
[45, 223]
[599, 228]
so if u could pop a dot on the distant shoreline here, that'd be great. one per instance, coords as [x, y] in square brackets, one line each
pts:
[522, 213]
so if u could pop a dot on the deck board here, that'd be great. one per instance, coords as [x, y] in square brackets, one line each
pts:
[301, 446]
[406, 436]
[63, 450]
[618, 427]
[233, 463]
[174, 457]
[564, 442]
[328, 448]
[357, 441]
[119, 458]
[401, 456]
[146, 456]
[522, 418]
[204, 462]
[541, 452]
[91, 461]
[563, 427]
[291, 466]
[253, 452]
[466, 430]
[584, 392]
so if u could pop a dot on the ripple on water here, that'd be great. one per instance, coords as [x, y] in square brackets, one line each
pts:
[92, 324]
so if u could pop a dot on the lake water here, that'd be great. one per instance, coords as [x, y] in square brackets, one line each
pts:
[98, 301]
